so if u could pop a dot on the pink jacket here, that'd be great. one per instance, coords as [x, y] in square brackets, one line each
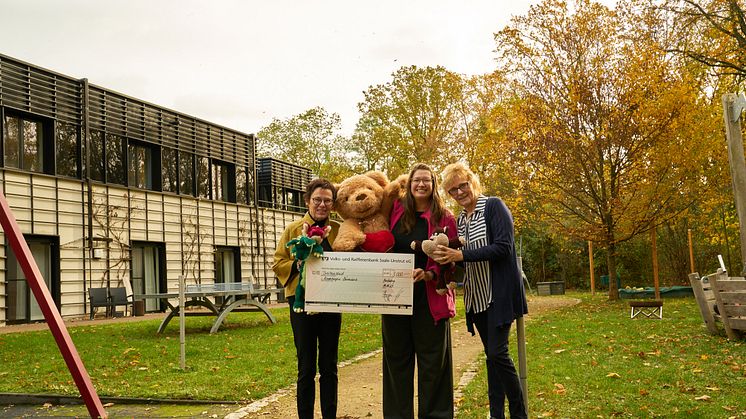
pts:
[441, 306]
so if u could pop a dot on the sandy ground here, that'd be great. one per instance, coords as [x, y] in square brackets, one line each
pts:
[360, 382]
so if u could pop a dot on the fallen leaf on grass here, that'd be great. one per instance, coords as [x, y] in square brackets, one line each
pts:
[712, 388]
[559, 351]
[559, 389]
[704, 398]
[613, 375]
[644, 392]
[108, 404]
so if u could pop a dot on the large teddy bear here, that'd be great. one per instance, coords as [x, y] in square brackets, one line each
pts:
[364, 202]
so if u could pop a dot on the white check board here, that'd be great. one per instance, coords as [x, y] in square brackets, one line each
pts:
[358, 282]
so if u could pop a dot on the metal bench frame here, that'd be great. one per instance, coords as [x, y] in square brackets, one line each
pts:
[652, 308]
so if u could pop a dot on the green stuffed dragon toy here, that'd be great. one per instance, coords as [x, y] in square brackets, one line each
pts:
[301, 248]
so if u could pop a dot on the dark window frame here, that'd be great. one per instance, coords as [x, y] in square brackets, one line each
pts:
[98, 162]
[78, 150]
[243, 193]
[46, 148]
[155, 176]
[122, 163]
[227, 185]
[186, 183]
[169, 160]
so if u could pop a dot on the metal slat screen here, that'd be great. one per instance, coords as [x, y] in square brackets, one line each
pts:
[34, 90]
[38, 91]
[281, 184]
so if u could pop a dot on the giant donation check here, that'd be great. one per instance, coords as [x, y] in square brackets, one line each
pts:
[379, 283]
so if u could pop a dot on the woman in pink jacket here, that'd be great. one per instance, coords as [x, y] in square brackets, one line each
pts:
[425, 336]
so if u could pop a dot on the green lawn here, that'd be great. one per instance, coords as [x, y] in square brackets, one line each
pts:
[247, 359]
[592, 360]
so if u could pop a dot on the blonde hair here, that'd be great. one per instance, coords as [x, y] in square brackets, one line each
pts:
[460, 170]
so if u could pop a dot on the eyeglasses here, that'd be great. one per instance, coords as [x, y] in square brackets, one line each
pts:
[463, 187]
[318, 201]
[424, 181]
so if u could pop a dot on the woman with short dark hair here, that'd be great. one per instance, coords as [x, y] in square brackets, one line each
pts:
[318, 330]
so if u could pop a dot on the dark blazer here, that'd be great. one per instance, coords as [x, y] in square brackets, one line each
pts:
[508, 296]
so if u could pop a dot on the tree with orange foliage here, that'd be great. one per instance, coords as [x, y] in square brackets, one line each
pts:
[606, 124]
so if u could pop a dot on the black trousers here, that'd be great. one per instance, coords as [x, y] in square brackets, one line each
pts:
[410, 339]
[309, 332]
[502, 378]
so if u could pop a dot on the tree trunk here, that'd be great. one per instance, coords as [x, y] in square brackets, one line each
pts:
[611, 262]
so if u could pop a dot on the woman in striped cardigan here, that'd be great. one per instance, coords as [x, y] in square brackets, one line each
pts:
[493, 287]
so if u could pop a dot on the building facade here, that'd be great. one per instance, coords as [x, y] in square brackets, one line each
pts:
[109, 189]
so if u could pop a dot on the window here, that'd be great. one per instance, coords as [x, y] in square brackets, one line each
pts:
[203, 179]
[227, 262]
[12, 141]
[242, 187]
[227, 268]
[170, 168]
[148, 272]
[223, 181]
[186, 173]
[21, 306]
[67, 149]
[26, 141]
[141, 173]
[97, 156]
[115, 159]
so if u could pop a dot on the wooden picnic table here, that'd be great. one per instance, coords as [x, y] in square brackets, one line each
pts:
[237, 296]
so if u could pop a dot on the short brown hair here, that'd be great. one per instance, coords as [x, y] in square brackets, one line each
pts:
[319, 183]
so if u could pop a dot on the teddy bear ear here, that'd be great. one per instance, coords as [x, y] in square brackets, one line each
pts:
[379, 177]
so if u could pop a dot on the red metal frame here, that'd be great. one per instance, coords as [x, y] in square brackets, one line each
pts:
[51, 314]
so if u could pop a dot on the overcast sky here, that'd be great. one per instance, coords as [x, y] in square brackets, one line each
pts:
[242, 63]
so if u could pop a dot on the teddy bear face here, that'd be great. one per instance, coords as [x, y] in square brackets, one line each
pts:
[359, 196]
[437, 239]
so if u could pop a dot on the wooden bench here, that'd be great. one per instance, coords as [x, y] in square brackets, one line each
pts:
[721, 298]
[702, 289]
[648, 308]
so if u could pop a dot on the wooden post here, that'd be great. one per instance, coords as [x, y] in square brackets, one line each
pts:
[590, 258]
[521, 342]
[653, 234]
[182, 337]
[732, 106]
[691, 251]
